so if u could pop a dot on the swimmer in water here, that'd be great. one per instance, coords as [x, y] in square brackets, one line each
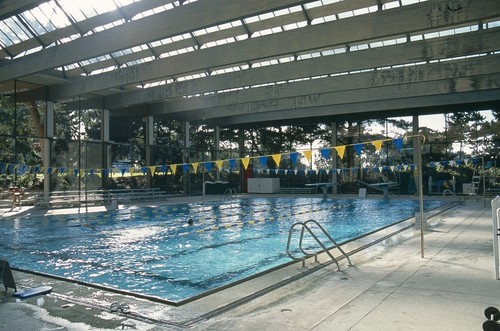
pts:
[190, 221]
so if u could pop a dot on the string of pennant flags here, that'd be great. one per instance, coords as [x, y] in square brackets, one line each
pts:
[207, 166]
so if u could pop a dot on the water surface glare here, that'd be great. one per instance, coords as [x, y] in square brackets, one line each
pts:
[154, 251]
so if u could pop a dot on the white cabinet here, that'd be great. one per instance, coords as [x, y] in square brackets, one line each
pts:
[263, 185]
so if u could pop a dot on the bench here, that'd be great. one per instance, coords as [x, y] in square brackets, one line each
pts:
[96, 197]
[296, 190]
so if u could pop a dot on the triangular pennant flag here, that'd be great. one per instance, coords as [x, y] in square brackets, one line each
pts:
[195, 166]
[263, 161]
[392, 168]
[325, 153]
[152, 169]
[296, 171]
[466, 161]
[75, 171]
[91, 172]
[62, 170]
[308, 155]
[164, 169]
[232, 164]
[380, 169]
[131, 170]
[185, 167]
[207, 166]
[377, 144]
[340, 151]
[277, 159]
[358, 148]
[245, 161]
[219, 163]
[293, 157]
[173, 168]
[123, 170]
[144, 170]
[398, 143]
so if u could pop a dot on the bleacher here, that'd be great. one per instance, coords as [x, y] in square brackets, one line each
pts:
[297, 190]
[97, 197]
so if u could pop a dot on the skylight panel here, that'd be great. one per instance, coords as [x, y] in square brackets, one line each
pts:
[13, 32]
[51, 16]
[390, 5]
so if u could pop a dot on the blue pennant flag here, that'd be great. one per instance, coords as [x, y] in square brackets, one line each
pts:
[398, 143]
[144, 170]
[232, 164]
[325, 153]
[293, 157]
[105, 171]
[163, 169]
[12, 168]
[185, 167]
[123, 171]
[358, 148]
[263, 160]
[208, 166]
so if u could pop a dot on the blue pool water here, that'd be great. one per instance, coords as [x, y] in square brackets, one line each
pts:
[153, 251]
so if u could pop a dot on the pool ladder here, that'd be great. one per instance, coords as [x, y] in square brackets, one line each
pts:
[228, 194]
[304, 226]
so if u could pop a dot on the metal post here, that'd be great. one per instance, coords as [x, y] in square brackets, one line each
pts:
[495, 211]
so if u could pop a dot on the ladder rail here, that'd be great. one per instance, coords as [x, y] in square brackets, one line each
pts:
[305, 227]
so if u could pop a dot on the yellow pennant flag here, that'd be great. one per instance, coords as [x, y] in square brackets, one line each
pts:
[277, 159]
[377, 144]
[173, 168]
[131, 171]
[195, 166]
[219, 163]
[152, 169]
[308, 155]
[340, 151]
[245, 162]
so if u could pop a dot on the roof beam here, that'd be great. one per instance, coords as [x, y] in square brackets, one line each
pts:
[481, 41]
[155, 27]
[409, 106]
[398, 21]
[10, 8]
[453, 76]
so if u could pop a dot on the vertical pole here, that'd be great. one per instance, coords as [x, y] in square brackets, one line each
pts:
[106, 148]
[47, 157]
[186, 153]
[216, 149]
[333, 129]
[417, 154]
[149, 141]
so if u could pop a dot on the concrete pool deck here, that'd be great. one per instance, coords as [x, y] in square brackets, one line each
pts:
[390, 287]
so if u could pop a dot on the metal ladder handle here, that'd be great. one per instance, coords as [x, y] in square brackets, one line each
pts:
[329, 237]
[319, 243]
[288, 252]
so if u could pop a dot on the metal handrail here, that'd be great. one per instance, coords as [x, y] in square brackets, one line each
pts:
[304, 227]
[229, 192]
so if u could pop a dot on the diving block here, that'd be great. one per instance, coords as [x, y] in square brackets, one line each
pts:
[323, 186]
[384, 187]
[6, 275]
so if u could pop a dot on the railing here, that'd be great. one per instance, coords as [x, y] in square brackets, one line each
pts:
[228, 194]
[304, 227]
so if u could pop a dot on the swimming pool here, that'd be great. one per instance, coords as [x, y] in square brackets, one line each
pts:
[154, 252]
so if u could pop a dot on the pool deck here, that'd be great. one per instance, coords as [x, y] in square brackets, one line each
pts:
[390, 287]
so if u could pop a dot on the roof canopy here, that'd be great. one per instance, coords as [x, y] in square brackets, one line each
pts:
[235, 62]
